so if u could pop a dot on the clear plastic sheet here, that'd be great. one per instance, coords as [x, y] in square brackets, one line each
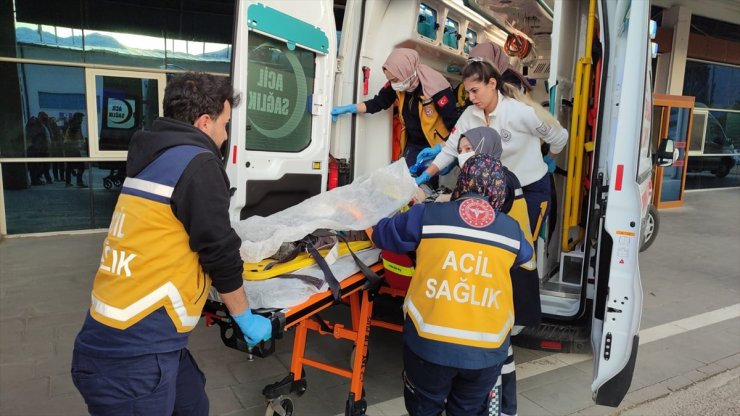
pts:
[356, 206]
[285, 292]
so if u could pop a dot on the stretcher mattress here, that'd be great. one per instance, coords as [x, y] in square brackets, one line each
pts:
[291, 289]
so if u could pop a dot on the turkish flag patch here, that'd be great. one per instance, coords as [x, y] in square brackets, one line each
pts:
[387, 84]
[442, 102]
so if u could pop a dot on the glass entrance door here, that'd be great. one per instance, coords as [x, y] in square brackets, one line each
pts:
[674, 114]
[125, 103]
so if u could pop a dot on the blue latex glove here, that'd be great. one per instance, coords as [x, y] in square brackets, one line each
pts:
[418, 167]
[423, 178]
[429, 153]
[343, 109]
[550, 163]
[256, 328]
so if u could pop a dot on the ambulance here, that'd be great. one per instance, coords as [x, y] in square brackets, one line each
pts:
[589, 63]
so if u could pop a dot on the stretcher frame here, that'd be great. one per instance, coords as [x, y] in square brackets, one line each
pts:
[303, 317]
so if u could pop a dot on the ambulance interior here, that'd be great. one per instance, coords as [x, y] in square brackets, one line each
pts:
[443, 32]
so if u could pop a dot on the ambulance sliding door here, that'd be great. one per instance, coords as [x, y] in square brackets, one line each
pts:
[279, 137]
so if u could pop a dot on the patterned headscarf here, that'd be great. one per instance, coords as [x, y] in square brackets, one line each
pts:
[485, 140]
[482, 175]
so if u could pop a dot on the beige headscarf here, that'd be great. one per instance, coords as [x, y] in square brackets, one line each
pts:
[402, 63]
[495, 55]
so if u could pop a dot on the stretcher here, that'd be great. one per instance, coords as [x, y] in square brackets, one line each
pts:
[358, 291]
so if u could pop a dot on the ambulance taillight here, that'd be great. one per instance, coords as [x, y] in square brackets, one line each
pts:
[333, 176]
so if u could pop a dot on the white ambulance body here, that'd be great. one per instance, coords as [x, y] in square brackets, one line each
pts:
[295, 60]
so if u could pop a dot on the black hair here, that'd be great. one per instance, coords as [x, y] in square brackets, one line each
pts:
[483, 71]
[190, 95]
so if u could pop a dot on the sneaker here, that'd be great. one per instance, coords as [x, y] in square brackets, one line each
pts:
[81, 185]
[68, 184]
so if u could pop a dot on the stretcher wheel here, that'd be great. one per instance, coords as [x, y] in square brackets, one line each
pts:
[117, 182]
[107, 183]
[284, 407]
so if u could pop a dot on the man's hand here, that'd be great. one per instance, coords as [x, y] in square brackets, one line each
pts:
[256, 328]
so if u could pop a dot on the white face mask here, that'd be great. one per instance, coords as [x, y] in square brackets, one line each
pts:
[403, 85]
[463, 157]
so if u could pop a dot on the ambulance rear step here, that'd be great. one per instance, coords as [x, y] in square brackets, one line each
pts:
[555, 337]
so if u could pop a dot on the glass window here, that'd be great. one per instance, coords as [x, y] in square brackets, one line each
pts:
[471, 39]
[198, 56]
[451, 33]
[427, 25]
[82, 203]
[39, 107]
[678, 126]
[113, 34]
[714, 86]
[280, 83]
[124, 49]
[127, 106]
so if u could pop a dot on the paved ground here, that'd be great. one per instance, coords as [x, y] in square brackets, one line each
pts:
[690, 332]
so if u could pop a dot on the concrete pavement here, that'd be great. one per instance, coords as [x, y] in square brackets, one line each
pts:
[690, 324]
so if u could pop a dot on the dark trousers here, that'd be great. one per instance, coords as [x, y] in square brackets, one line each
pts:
[77, 168]
[508, 385]
[155, 384]
[430, 389]
[537, 195]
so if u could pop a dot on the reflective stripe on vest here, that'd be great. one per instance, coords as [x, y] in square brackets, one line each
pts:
[168, 290]
[398, 269]
[467, 232]
[461, 334]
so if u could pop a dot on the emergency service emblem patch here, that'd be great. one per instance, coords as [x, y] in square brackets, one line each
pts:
[505, 135]
[544, 129]
[477, 213]
[428, 111]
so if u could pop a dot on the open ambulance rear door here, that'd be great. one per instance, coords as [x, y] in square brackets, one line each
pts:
[284, 60]
[625, 121]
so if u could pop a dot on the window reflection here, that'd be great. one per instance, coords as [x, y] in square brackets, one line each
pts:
[58, 206]
[142, 45]
[715, 86]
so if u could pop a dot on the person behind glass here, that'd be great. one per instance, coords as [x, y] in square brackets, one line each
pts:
[521, 128]
[524, 279]
[73, 141]
[457, 315]
[56, 149]
[425, 98]
[170, 239]
[38, 138]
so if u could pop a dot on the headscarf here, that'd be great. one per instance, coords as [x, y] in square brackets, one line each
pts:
[496, 56]
[485, 140]
[482, 175]
[402, 63]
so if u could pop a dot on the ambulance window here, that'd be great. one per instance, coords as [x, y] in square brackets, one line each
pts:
[452, 33]
[279, 88]
[427, 25]
[471, 39]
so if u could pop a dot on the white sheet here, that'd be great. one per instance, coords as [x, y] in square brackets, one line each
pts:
[356, 206]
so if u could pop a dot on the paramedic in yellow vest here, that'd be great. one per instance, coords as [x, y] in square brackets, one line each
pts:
[425, 99]
[524, 279]
[169, 240]
[458, 307]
